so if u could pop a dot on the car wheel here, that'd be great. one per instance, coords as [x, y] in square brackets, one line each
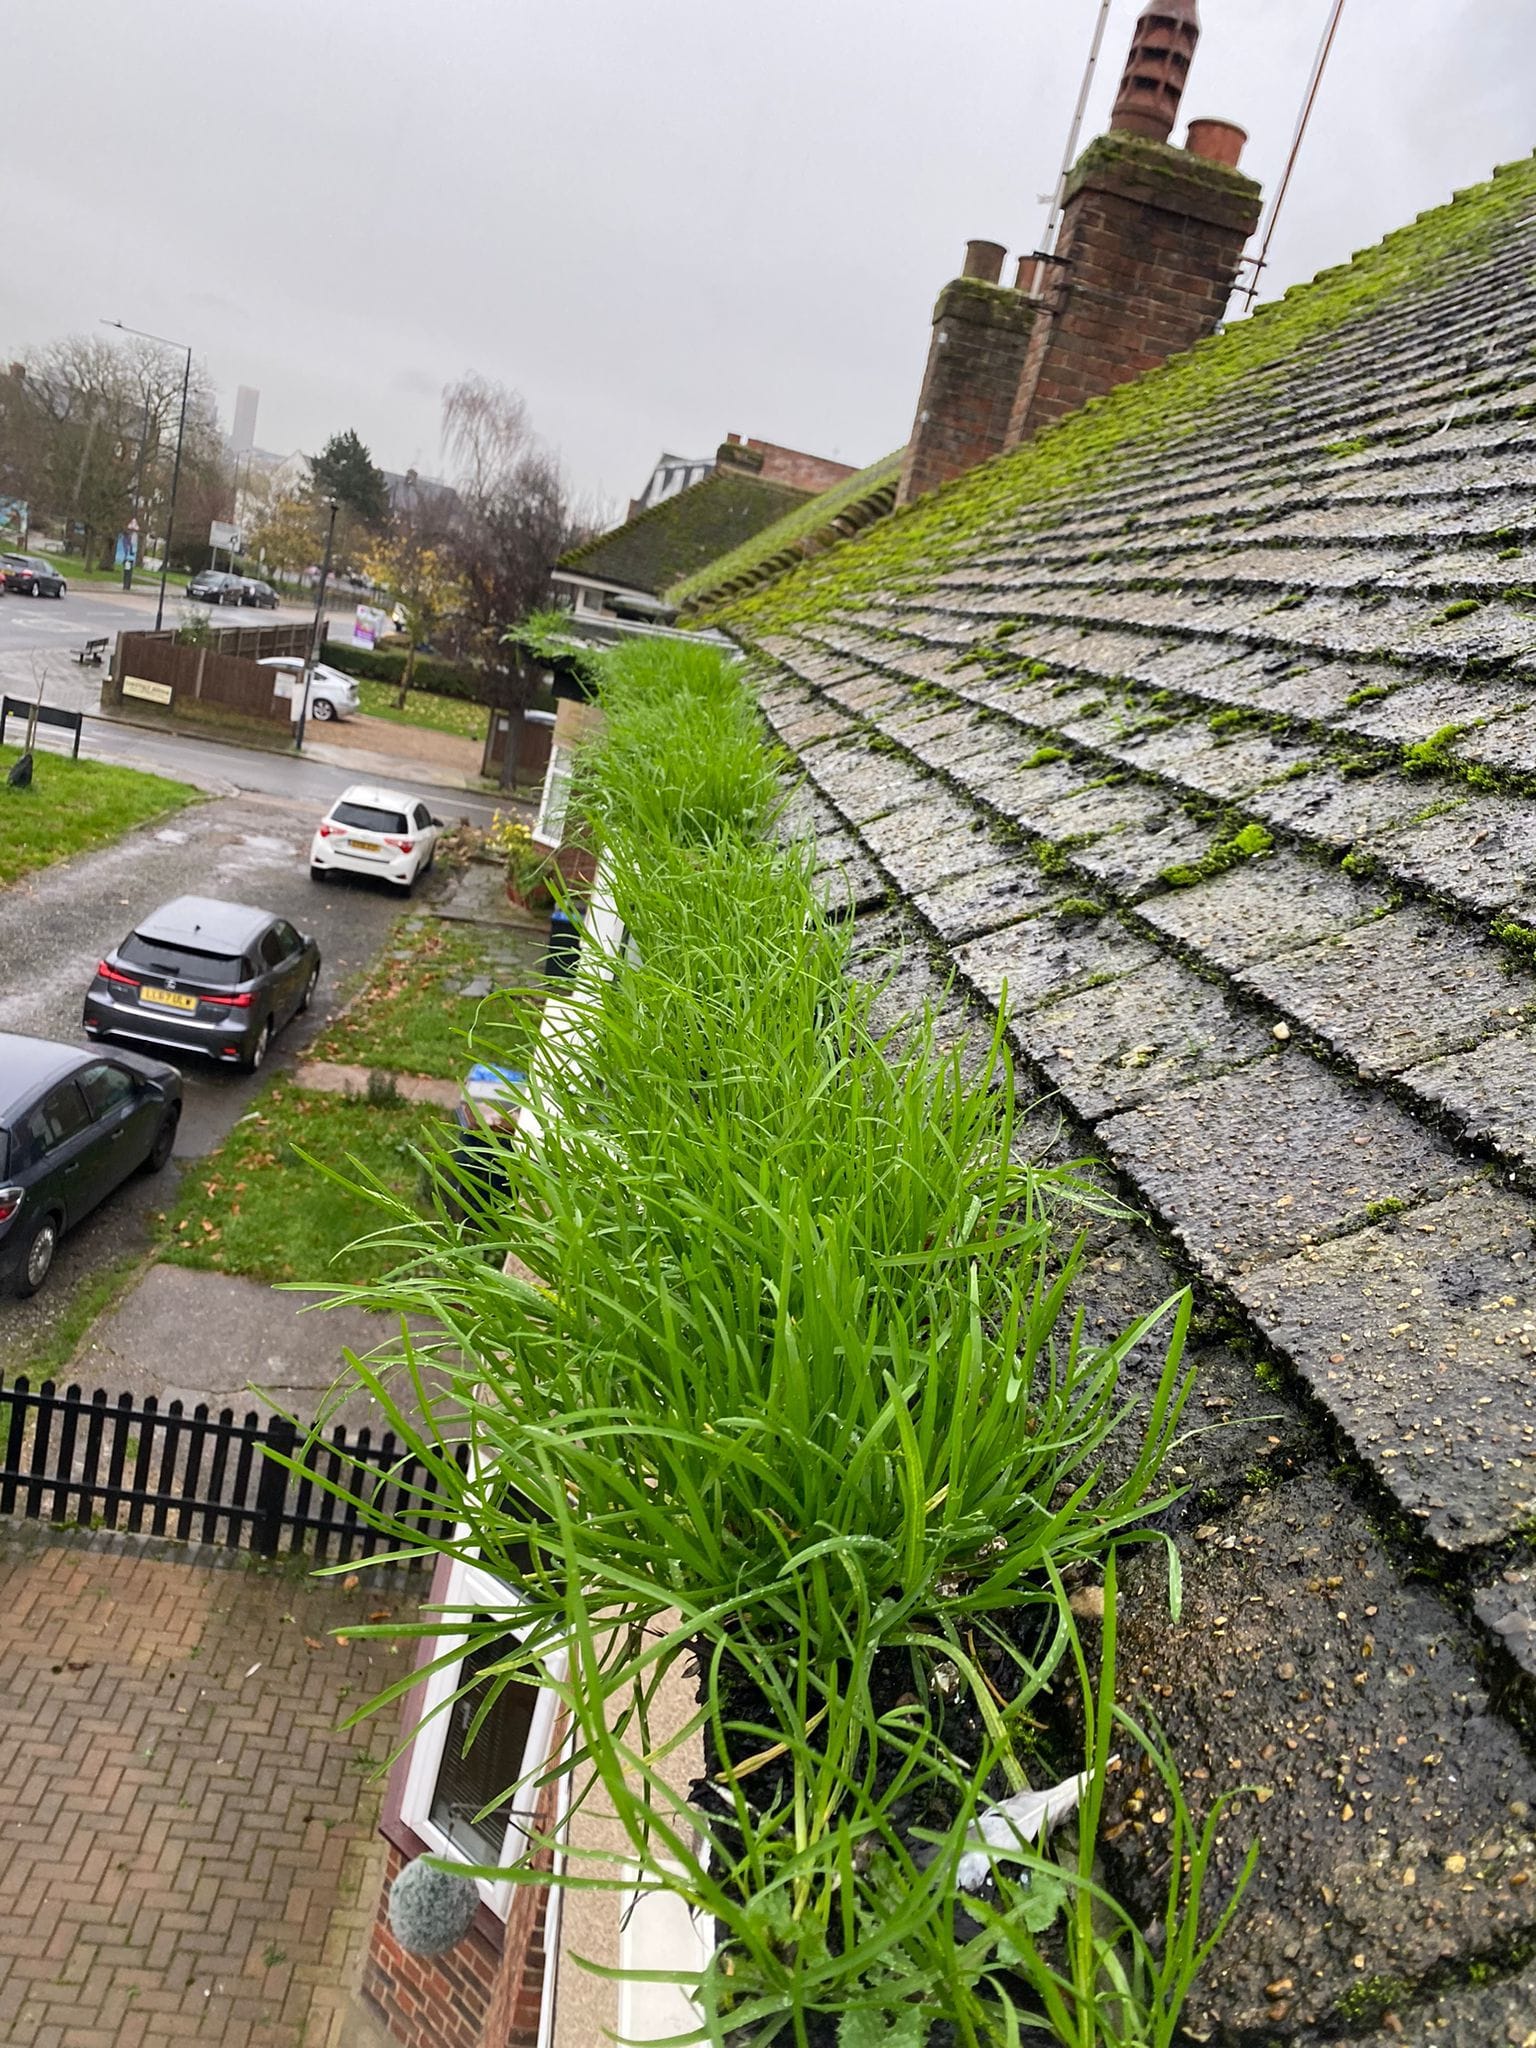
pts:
[37, 590]
[37, 1259]
[319, 874]
[322, 708]
[309, 990]
[253, 1060]
[165, 1138]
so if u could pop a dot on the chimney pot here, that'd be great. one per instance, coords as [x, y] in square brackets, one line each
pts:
[1162, 49]
[1219, 142]
[1024, 281]
[984, 260]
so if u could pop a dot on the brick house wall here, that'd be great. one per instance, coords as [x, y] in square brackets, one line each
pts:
[1149, 247]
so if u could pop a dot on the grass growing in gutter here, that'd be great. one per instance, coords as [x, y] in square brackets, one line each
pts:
[73, 807]
[798, 1400]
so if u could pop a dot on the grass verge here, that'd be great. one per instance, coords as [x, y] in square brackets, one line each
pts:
[257, 1208]
[75, 806]
[436, 714]
[410, 1017]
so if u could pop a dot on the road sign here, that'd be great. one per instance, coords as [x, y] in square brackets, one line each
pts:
[221, 535]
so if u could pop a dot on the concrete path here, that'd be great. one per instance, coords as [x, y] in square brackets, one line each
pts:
[189, 1852]
[182, 1334]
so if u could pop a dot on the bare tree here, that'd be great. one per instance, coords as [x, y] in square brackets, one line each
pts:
[510, 521]
[101, 420]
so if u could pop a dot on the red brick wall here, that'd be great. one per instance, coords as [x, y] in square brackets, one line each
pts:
[431, 2001]
[803, 472]
[1149, 248]
[980, 341]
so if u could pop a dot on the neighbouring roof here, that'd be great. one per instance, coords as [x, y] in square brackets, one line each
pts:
[671, 540]
[809, 528]
[1198, 738]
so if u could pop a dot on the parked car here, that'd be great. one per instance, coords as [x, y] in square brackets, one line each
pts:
[370, 831]
[201, 976]
[215, 586]
[31, 576]
[259, 593]
[73, 1126]
[331, 694]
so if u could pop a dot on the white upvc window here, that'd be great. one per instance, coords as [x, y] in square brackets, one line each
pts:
[549, 827]
[472, 1801]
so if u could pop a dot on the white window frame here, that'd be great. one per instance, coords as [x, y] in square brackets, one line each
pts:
[555, 801]
[471, 1588]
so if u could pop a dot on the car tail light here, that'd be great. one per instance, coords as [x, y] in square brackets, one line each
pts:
[10, 1202]
[111, 974]
[239, 1002]
[327, 830]
[402, 845]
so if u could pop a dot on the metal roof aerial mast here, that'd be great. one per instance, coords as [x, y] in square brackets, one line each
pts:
[1325, 50]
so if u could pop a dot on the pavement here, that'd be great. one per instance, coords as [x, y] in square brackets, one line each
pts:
[188, 1849]
[234, 1343]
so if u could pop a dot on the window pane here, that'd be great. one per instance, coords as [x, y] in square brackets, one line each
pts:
[105, 1087]
[473, 1774]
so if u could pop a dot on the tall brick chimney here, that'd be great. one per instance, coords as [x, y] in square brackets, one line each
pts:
[1150, 239]
[981, 333]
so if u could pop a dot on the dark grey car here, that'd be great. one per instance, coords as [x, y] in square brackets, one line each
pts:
[201, 976]
[73, 1126]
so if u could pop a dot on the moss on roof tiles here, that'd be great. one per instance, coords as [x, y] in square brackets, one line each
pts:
[685, 532]
[858, 498]
[1124, 433]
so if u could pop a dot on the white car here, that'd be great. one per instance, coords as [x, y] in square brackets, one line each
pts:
[331, 694]
[370, 831]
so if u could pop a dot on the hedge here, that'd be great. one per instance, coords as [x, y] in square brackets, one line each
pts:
[387, 665]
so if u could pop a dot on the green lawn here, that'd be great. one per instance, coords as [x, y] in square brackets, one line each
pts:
[437, 714]
[410, 1017]
[256, 1207]
[73, 807]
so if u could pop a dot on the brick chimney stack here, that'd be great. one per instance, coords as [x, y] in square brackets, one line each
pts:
[1151, 236]
[1162, 50]
[981, 333]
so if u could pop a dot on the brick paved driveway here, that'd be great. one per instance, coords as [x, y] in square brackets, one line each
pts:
[186, 1845]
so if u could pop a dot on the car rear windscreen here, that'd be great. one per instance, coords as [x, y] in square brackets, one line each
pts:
[182, 963]
[367, 819]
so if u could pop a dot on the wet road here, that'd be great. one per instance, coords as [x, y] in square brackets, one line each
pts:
[56, 924]
[88, 610]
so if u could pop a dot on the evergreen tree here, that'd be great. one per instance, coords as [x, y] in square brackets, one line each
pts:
[344, 470]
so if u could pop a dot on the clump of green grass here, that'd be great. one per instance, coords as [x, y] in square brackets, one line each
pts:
[73, 807]
[1250, 842]
[797, 1400]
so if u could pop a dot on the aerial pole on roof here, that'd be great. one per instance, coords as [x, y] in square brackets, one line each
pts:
[1325, 51]
[1058, 197]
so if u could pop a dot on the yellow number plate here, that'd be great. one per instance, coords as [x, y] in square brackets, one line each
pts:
[365, 846]
[167, 998]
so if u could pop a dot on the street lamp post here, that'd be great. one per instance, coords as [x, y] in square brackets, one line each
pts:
[181, 430]
[314, 638]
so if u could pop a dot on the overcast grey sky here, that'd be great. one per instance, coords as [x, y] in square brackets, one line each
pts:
[661, 220]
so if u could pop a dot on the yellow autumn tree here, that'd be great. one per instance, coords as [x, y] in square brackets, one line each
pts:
[418, 581]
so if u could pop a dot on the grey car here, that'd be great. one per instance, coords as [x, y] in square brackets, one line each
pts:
[202, 976]
[73, 1126]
